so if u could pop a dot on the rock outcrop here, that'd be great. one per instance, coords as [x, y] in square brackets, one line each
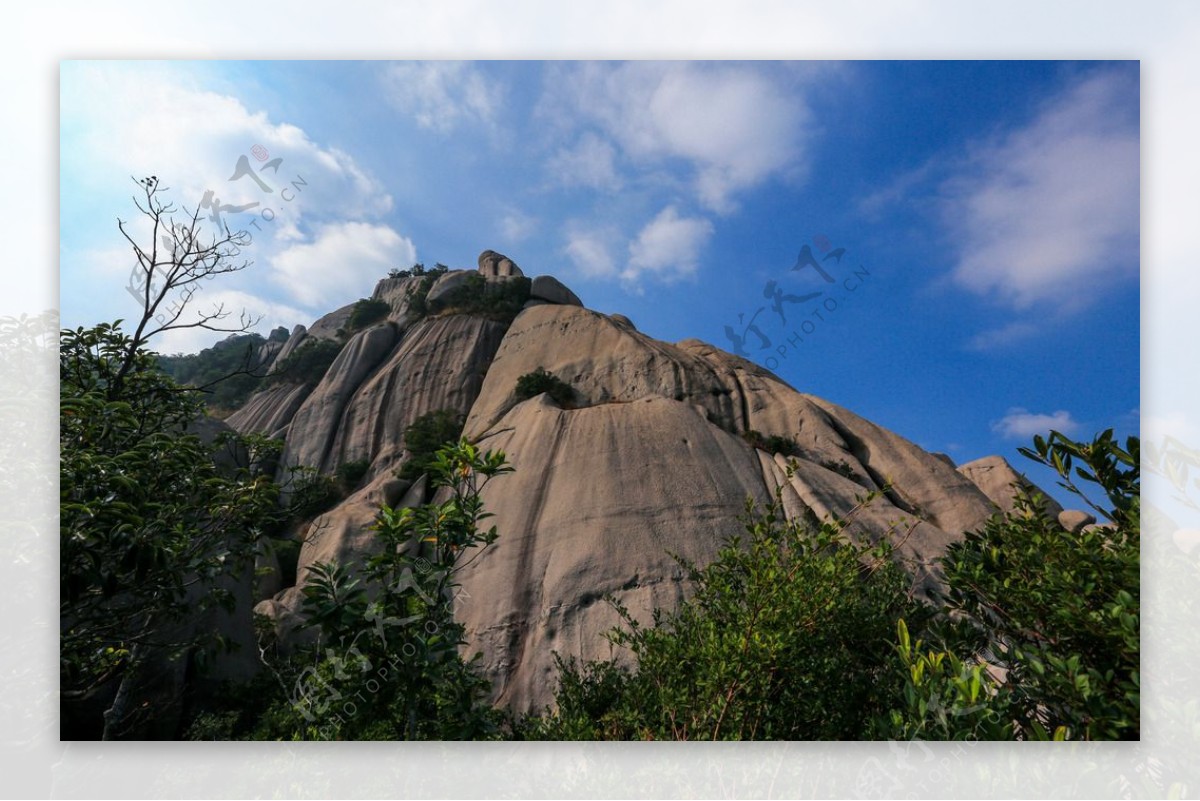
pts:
[497, 265]
[999, 481]
[551, 290]
[654, 455]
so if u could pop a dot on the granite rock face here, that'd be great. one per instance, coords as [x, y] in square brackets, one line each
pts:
[655, 454]
[551, 290]
[497, 265]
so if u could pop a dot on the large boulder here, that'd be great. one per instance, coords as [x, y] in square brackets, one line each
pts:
[438, 364]
[270, 411]
[497, 265]
[550, 289]
[445, 285]
[598, 498]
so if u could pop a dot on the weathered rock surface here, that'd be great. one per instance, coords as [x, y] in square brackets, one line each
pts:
[598, 497]
[445, 285]
[312, 430]
[270, 410]
[439, 364]
[549, 288]
[996, 477]
[650, 458]
[497, 265]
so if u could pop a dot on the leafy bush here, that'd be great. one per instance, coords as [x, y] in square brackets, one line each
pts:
[350, 473]
[312, 493]
[425, 436]
[417, 295]
[366, 312]
[772, 444]
[533, 384]
[1058, 612]
[307, 364]
[785, 637]
[390, 668]
[146, 518]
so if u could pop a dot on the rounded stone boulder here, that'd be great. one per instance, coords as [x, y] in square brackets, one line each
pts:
[551, 290]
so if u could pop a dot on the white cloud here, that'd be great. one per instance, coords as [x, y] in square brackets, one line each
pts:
[1005, 335]
[341, 262]
[1050, 211]
[516, 226]
[443, 94]
[590, 252]
[123, 120]
[732, 125]
[590, 163]
[206, 299]
[1022, 424]
[668, 247]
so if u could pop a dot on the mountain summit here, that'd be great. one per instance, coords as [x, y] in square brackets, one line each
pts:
[650, 449]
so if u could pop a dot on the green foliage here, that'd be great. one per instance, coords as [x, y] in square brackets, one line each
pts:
[772, 444]
[425, 436]
[366, 312]
[1057, 612]
[533, 384]
[417, 295]
[388, 664]
[496, 300]
[307, 364]
[785, 637]
[945, 698]
[311, 493]
[149, 526]
[350, 473]
[229, 372]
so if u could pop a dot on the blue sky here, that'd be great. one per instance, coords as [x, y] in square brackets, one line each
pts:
[988, 211]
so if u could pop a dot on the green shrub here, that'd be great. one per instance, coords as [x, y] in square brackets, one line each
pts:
[772, 444]
[307, 364]
[312, 493]
[1058, 612]
[425, 436]
[350, 473]
[366, 312]
[388, 665]
[533, 384]
[496, 300]
[786, 636]
[417, 305]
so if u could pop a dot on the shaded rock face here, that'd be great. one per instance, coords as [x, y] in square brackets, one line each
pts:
[650, 457]
[270, 411]
[445, 285]
[315, 423]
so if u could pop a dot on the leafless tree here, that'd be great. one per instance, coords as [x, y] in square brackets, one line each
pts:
[178, 255]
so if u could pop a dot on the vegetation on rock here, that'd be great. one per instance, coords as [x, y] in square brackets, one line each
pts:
[425, 436]
[533, 384]
[307, 364]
